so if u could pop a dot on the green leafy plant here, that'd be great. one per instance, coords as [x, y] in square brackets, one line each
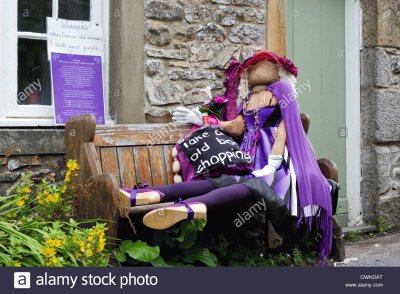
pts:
[354, 236]
[180, 243]
[36, 228]
[383, 226]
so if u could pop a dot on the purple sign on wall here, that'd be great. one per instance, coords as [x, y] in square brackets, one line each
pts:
[77, 86]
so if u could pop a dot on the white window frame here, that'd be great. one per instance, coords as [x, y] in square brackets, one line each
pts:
[12, 114]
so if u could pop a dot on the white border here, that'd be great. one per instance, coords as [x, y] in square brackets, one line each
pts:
[8, 12]
[353, 117]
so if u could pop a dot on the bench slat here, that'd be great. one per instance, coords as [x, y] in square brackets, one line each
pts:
[126, 167]
[139, 135]
[109, 162]
[158, 166]
[168, 163]
[142, 164]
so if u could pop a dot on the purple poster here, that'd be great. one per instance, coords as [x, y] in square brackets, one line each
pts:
[77, 86]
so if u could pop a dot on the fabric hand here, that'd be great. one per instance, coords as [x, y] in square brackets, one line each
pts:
[274, 162]
[187, 116]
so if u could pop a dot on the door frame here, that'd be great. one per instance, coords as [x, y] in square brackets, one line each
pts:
[276, 41]
[353, 24]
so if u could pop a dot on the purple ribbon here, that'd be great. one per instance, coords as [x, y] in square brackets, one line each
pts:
[134, 191]
[189, 209]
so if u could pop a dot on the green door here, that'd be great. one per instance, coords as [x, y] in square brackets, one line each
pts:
[316, 44]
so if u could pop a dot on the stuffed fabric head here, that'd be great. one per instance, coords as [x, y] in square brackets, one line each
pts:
[263, 68]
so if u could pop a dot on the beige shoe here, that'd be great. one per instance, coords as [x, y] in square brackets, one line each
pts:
[166, 217]
[142, 197]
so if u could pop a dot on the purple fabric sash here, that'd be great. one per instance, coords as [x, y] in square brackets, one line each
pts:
[189, 209]
[231, 83]
[312, 185]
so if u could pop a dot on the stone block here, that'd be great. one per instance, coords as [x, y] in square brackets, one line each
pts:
[191, 75]
[20, 162]
[387, 118]
[154, 67]
[185, 33]
[157, 115]
[157, 34]
[162, 92]
[221, 1]
[184, 64]
[396, 64]
[163, 10]
[384, 159]
[210, 33]
[247, 14]
[255, 3]
[381, 22]
[196, 96]
[213, 56]
[246, 34]
[197, 13]
[31, 141]
[9, 176]
[225, 16]
[166, 53]
[376, 69]
[389, 208]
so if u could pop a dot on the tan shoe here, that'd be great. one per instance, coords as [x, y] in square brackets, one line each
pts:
[166, 217]
[137, 197]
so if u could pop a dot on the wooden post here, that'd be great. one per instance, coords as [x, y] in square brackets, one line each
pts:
[276, 26]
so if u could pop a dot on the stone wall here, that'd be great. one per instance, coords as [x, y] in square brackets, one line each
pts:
[380, 110]
[188, 44]
[39, 151]
[41, 166]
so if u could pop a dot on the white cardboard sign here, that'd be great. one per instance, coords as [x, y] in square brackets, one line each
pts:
[74, 37]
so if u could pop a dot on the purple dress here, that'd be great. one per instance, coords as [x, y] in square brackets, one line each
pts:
[259, 138]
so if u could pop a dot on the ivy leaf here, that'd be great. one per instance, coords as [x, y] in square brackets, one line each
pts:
[187, 233]
[189, 241]
[120, 256]
[159, 262]
[140, 251]
[200, 254]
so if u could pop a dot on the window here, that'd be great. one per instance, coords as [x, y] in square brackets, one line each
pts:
[25, 85]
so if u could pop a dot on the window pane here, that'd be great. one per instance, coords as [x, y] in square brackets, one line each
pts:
[74, 9]
[32, 15]
[33, 73]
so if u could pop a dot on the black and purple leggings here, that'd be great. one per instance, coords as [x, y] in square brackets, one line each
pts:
[203, 191]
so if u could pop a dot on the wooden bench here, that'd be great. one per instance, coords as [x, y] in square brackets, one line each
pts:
[117, 156]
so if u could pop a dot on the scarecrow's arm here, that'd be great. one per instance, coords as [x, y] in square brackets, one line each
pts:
[234, 127]
[280, 140]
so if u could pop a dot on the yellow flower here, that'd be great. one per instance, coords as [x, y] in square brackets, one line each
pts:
[17, 264]
[89, 252]
[53, 243]
[54, 259]
[26, 197]
[67, 177]
[26, 190]
[100, 246]
[49, 252]
[72, 165]
[55, 197]
[64, 189]
[90, 238]
[20, 203]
